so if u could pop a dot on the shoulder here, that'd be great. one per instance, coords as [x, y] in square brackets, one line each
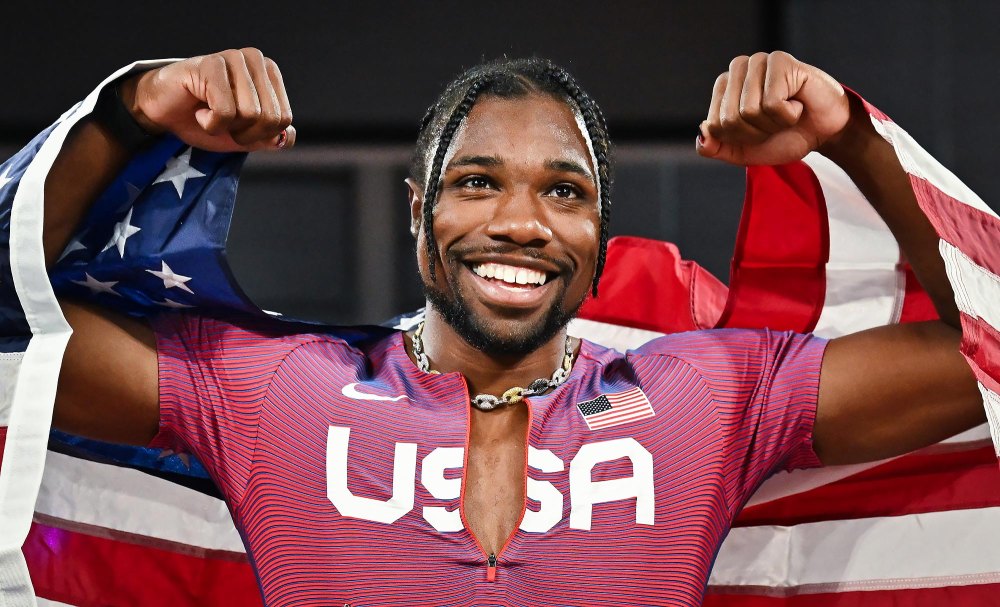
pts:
[247, 336]
[723, 353]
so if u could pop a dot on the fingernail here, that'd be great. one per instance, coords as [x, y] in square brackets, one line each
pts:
[282, 139]
[700, 141]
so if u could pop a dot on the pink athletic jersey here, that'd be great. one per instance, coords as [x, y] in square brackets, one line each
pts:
[342, 462]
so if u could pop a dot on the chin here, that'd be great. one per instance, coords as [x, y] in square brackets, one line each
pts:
[495, 334]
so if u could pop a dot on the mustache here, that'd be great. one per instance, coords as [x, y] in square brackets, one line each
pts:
[458, 254]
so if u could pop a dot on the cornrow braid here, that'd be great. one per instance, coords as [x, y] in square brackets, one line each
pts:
[597, 132]
[507, 78]
[434, 179]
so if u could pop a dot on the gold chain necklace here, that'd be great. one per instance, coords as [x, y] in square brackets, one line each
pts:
[488, 402]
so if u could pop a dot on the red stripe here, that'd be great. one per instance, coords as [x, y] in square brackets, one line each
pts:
[952, 596]
[778, 275]
[966, 227]
[917, 304]
[909, 485]
[606, 422]
[89, 571]
[981, 344]
[3, 441]
[647, 285]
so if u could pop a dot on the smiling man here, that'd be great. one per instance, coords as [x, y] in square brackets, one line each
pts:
[486, 457]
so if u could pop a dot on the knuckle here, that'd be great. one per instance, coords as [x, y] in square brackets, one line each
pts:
[759, 57]
[779, 57]
[721, 80]
[715, 130]
[770, 105]
[226, 112]
[271, 117]
[271, 66]
[251, 52]
[750, 112]
[738, 62]
[728, 121]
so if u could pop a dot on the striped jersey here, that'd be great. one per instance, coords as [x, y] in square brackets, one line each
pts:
[342, 462]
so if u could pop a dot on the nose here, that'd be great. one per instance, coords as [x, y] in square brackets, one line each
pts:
[520, 218]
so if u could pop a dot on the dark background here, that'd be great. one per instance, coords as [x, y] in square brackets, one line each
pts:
[331, 214]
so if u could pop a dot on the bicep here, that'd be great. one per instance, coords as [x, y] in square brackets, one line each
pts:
[108, 387]
[889, 390]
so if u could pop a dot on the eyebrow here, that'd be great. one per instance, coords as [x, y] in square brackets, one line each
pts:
[485, 161]
[566, 166]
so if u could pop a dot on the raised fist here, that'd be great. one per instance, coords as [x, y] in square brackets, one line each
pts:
[771, 108]
[225, 102]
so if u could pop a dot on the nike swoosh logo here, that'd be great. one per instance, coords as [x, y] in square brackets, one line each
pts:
[351, 391]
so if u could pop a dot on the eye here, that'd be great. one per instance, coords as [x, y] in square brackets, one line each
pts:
[565, 190]
[476, 182]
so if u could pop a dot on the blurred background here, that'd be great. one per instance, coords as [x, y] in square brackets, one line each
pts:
[322, 231]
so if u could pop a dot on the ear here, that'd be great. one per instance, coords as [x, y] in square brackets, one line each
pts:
[416, 196]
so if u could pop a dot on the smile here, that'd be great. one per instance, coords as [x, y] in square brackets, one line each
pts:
[510, 286]
[511, 275]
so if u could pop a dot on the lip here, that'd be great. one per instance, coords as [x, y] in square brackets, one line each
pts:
[495, 295]
[517, 261]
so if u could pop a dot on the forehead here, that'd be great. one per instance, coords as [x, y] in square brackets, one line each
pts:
[532, 130]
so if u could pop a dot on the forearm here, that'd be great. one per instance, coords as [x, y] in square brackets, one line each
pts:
[871, 163]
[88, 162]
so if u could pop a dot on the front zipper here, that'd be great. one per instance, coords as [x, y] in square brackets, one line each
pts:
[491, 568]
[491, 558]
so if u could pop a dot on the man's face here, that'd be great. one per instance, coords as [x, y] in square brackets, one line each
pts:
[517, 225]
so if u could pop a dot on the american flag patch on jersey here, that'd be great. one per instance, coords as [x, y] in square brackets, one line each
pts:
[613, 409]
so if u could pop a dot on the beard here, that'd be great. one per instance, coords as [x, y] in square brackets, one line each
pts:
[486, 336]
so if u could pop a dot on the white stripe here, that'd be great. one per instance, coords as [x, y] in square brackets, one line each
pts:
[10, 364]
[864, 287]
[784, 483]
[917, 162]
[110, 496]
[977, 290]
[31, 406]
[47, 603]
[991, 402]
[619, 337]
[951, 548]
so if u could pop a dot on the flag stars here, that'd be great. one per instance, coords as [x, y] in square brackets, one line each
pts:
[96, 286]
[131, 194]
[73, 246]
[170, 278]
[5, 178]
[123, 230]
[178, 171]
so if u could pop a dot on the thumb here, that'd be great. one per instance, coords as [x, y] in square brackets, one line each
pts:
[706, 145]
[714, 148]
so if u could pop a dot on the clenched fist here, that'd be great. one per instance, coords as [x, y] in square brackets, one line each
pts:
[225, 102]
[771, 108]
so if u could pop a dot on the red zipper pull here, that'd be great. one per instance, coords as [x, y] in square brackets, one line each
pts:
[491, 568]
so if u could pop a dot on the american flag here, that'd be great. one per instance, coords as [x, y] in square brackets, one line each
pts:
[98, 524]
[615, 409]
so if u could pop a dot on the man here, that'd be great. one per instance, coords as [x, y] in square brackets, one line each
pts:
[509, 197]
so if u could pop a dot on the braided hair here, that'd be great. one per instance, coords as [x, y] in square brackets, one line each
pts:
[506, 78]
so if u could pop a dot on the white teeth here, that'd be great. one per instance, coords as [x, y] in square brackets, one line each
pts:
[510, 274]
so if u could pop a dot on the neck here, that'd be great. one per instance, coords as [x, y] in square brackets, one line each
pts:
[487, 373]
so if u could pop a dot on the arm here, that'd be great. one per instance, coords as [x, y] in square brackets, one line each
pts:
[230, 101]
[887, 390]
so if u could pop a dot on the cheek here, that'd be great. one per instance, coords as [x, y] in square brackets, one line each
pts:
[586, 239]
